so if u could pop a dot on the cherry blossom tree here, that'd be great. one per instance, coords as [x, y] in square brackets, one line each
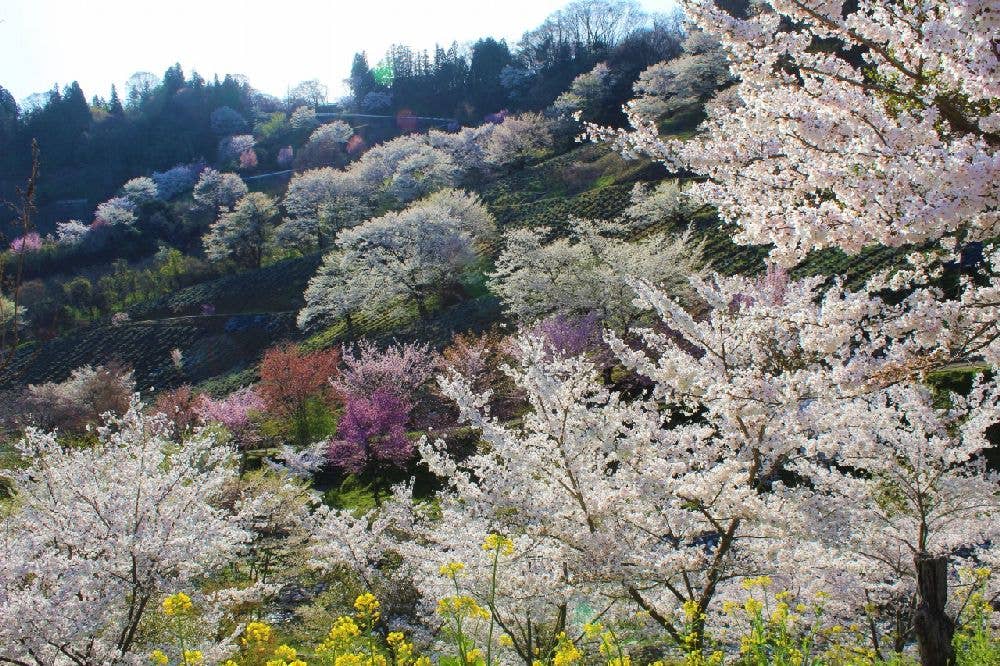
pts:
[336, 292]
[303, 118]
[176, 180]
[406, 168]
[101, 533]
[517, 139]
[666, 202]
[588, 272]
[413, 254]
[244, 232]
[685, 82]
[372, 430]
[219, 191]
[80, 400]
[71, 232]
[140, 190]
[379, 388]
[399, 369]
[888, 134]
[116, 211]
[230, 148]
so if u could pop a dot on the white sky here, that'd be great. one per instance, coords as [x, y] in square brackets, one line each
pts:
[275, 43]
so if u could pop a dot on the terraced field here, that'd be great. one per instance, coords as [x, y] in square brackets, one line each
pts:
[210, 345]
[222, 326]
[274, 288]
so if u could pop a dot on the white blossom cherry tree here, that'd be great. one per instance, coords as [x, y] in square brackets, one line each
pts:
[97, 535]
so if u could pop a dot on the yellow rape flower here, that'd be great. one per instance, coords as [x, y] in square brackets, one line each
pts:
[499, 543]
[349, 659]
[692, 611]
[756, 581]
[780, 613]
[159, 658]
[256, 632]
[367, 606]
[566, 652]
[462, 606]
[285, 652]
[451, 569]
[506, 641]
[752, 606]
[193, 657]
[593, 629]
[177, 604]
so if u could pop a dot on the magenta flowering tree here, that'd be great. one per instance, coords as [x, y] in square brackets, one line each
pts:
[372, 429]
[378, 388]
[235, 412]
[574, 336]
[29, 242]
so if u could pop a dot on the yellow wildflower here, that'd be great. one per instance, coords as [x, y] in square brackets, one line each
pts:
[367, 606]
[177, 604]
[728, 607]
[780, 613]
[343, 631]
[193, 657]
[756, 581]
[349, 659]
[692, 611]
[159, 658]
[506, 641]
[566, 652]
[592, 629]
[499, 543]
[752, 606]
[256, 632]
[462, 606]
[285, 652]
[451, 569]
[422, 661]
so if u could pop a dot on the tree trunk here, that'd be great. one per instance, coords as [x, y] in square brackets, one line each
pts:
[934, 629]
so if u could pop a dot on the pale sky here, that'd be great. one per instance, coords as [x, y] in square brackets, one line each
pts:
[275, 43]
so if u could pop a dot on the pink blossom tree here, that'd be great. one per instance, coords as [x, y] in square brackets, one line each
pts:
[235, 412]
[29, 242]
[378, 388]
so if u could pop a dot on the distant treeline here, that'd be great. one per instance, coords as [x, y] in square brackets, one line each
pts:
[89, 148]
